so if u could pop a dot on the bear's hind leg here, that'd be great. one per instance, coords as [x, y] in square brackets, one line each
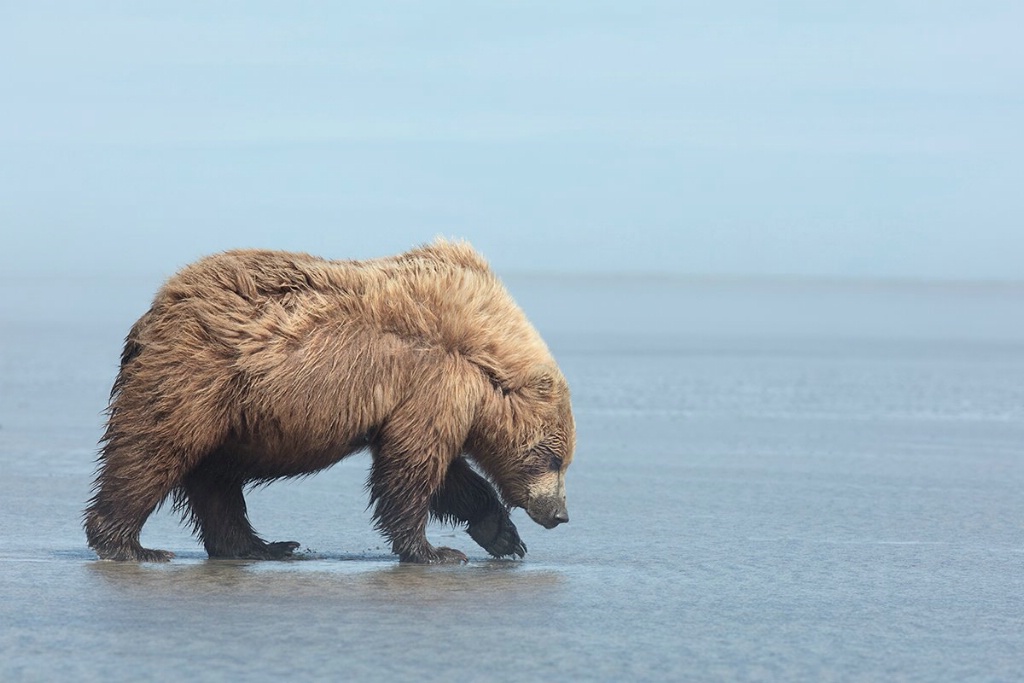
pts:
[128, 488]
[467, 497]
[216, 505]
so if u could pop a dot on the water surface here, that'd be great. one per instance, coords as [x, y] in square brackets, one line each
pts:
[774, 481]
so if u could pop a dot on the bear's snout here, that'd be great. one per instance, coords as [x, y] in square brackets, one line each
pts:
[550, 519]
[547, 501]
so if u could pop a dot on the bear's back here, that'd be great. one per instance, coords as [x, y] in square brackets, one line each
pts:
[442, 295]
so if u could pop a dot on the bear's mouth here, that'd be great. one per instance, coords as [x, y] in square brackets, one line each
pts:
[548, 512]
[546, 500]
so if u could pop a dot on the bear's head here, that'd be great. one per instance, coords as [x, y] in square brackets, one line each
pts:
[524, 440]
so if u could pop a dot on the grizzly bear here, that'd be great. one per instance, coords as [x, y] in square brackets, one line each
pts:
[256, 365]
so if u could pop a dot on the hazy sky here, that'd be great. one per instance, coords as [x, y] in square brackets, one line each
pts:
[871, 138]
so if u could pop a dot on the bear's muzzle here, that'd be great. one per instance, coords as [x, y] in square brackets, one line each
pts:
[546, 505]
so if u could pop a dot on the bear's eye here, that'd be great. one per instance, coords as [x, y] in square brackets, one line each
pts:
[555, 464]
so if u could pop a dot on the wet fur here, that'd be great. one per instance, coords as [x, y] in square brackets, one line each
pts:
[256, 365]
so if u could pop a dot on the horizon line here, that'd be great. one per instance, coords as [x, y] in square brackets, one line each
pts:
[636, 276]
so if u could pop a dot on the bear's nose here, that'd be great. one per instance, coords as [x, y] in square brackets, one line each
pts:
[561, 517]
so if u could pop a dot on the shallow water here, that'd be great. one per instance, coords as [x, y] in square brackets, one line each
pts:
[774, 481]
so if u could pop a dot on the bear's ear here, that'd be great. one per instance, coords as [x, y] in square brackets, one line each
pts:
[538, 382]
[497, 380]
[541, 382]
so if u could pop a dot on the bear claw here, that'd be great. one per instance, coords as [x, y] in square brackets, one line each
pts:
[449, 556]
[282, 549]
[135, 554]
[498, 536]
[147, 555]
[439, 555]
[278, 550]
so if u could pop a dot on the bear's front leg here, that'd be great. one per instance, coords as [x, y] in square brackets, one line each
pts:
[467, 497]
[415, 446]
[402, 482]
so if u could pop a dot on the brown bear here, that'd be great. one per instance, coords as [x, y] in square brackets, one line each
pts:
[255, 365]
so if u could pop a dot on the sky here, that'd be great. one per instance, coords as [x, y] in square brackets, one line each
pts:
[876, 139]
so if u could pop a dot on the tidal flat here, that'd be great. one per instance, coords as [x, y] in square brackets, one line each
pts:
[774, 480]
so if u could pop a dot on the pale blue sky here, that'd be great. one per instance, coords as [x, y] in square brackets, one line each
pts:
[881, 138]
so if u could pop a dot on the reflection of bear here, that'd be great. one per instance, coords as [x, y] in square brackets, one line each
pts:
[256, 365]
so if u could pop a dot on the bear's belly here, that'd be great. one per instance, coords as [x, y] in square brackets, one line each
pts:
[274, 459]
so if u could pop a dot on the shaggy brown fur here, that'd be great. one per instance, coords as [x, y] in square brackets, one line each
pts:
[255, 365]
